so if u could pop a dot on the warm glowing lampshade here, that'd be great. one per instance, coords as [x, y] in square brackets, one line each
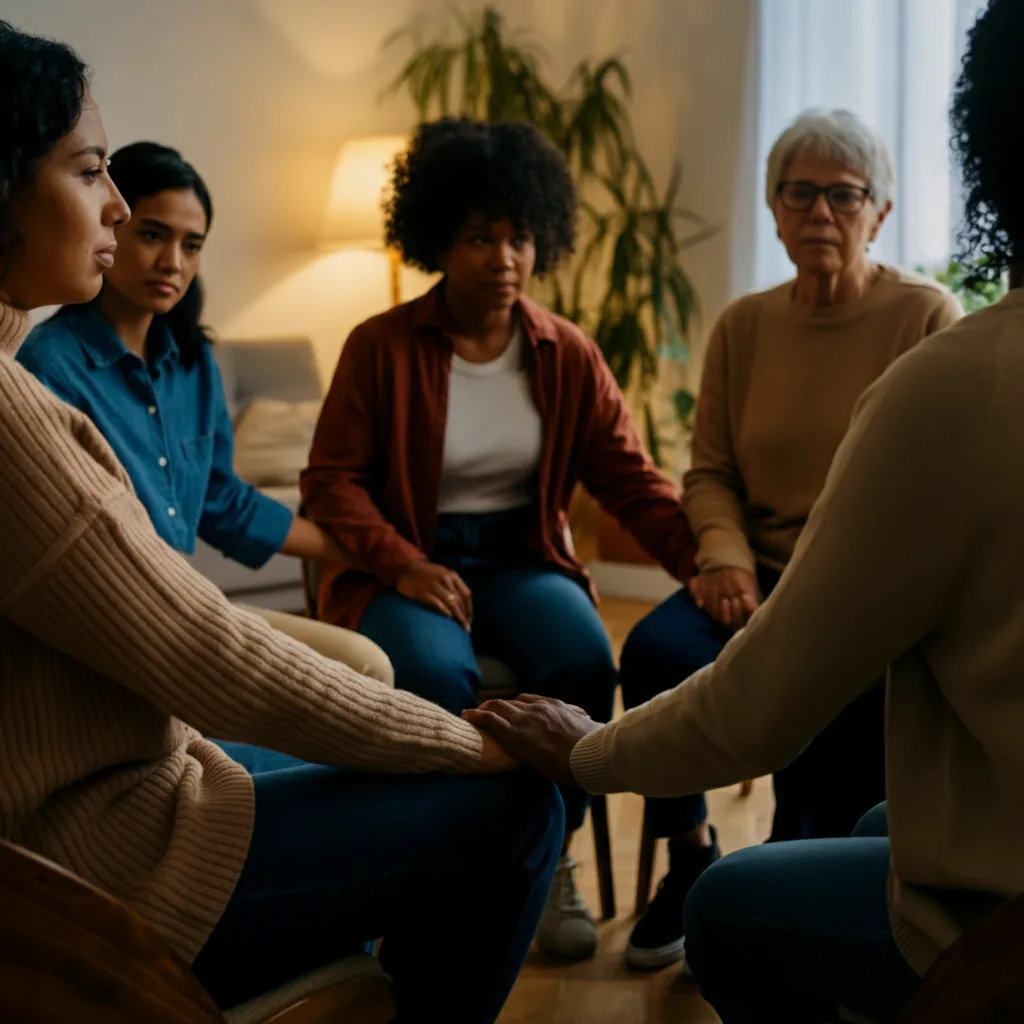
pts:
[361, 178]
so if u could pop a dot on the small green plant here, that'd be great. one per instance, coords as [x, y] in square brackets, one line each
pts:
[626, 285]
[972, 293]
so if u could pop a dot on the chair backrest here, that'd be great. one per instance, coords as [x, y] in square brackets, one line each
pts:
[310, 579]
[980, 978]
[72, 953]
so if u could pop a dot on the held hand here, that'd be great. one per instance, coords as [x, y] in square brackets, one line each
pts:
[439, 589]
[493, 758]
[729, 596]
[537, 731]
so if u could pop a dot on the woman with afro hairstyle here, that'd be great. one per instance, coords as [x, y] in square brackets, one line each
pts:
[911, 567]
[451, 441]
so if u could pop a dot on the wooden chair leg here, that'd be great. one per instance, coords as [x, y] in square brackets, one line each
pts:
[645, 867]
[603, 856]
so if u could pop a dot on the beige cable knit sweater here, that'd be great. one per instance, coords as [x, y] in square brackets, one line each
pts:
[780, 382]
[912, 560]
[116, 658]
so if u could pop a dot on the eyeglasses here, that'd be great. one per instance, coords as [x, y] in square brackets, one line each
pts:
[800, 196]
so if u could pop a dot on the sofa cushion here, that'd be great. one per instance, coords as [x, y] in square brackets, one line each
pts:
[272, 440]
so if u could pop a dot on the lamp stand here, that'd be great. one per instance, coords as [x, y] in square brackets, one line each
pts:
[395, 264]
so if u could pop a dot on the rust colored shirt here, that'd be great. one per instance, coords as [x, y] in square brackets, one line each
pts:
[375, 467]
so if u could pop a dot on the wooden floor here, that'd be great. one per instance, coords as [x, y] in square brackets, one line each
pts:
[604, 990]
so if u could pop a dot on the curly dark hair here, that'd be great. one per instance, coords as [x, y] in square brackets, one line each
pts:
[42, 86]
[456, 167]
[990, 150]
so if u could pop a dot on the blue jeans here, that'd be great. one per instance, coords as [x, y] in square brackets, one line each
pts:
[541, 624]
[453, 873]
[788, 932]
[823, 793]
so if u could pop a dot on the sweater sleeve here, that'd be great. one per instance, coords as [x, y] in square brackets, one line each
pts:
[620, 474]
[713, 488]
[872, 574]
[337, 484]
[82, 570]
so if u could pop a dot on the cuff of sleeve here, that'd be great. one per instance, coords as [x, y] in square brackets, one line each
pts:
[391, 568]
[589, 765]
[264, 535]
[721, 550]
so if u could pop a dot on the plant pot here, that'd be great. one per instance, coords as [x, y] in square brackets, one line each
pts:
[616, 544]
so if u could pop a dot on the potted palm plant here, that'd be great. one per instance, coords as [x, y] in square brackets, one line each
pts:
[625, 285]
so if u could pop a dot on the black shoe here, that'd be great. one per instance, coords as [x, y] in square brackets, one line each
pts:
[657, 938]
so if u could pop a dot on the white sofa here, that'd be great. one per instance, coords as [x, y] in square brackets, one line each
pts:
[284, 370]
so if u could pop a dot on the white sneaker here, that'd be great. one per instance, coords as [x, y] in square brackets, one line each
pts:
[566, 928]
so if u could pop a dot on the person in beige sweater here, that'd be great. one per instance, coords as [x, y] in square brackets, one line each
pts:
[783, 371]
[116, 658]
[909, 566]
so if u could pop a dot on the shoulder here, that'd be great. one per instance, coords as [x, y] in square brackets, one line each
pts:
[959, 372]
[54, 337]
[906, 288]
[574, 345]
[52, 351]
[26, 405]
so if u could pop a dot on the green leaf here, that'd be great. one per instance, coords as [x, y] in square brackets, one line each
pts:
[653, 438]
[684, 403]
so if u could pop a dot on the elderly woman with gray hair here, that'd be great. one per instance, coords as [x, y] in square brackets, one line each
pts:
[783, 372]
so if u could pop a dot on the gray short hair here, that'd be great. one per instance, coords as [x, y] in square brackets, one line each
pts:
[838, 135]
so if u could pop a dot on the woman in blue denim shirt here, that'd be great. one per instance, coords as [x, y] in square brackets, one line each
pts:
[139, 363]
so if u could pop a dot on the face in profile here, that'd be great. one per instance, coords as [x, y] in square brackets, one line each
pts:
[158, 251]
[66, 217]
[490, 262]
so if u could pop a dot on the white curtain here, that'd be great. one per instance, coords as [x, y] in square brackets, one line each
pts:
[894, 63]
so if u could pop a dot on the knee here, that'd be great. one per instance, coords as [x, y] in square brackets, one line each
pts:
[447, 682]
[535, 811]
[707, 904]
[874, 823]
[652, 662]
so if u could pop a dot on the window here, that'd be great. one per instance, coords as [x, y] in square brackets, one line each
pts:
[893, 62]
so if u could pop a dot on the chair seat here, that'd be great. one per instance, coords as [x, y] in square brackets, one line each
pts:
[496, 679]
[355, 988]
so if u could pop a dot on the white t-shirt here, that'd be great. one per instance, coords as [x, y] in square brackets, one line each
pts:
[492, 438]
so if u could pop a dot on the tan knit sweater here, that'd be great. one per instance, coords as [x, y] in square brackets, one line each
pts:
[115, 658]
[780, 383]
[912, 559]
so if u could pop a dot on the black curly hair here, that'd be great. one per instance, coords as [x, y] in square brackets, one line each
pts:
[990, 150]
[42, 87]
[457, 166]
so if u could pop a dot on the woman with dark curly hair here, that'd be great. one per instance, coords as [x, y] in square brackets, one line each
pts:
[909, 567]
[115, 658]
[455, 431]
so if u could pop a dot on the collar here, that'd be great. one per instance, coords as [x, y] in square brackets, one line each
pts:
[101, 344]
[429, 312]
[14, 326]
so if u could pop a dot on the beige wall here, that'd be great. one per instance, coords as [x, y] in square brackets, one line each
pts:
[259, 94]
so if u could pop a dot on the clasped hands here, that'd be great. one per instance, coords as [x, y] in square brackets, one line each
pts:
[729, 596]
[538, 732]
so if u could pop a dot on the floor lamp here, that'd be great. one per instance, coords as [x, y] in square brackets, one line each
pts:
[355, 218]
